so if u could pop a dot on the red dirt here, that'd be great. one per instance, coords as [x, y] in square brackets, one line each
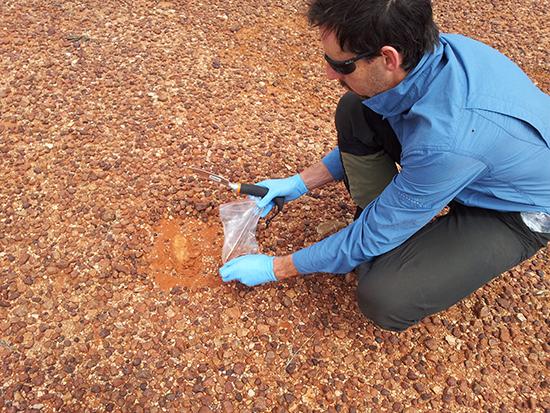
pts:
[186, 254]
[101, 104]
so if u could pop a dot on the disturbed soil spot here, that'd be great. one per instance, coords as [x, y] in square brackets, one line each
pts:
[186, 253]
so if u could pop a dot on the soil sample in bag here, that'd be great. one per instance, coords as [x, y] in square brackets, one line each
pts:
[186, 253]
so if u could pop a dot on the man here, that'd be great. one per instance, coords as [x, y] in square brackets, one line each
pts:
[468, 129]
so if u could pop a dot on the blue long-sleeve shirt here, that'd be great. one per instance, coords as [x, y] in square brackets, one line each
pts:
[472, 127]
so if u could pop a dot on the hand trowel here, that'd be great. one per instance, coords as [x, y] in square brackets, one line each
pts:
[247, 189]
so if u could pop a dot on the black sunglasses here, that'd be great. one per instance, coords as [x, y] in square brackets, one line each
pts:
[346, 67]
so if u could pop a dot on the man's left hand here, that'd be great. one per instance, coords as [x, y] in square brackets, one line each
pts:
[250, 270]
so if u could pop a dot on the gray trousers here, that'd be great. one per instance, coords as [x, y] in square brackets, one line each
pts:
[443, 262]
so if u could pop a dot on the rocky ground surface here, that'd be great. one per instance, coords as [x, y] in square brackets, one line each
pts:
[102, 104]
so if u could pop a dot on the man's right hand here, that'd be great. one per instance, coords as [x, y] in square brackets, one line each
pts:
[290, 188]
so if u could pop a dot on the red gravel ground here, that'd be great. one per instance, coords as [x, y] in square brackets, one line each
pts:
[102, 104]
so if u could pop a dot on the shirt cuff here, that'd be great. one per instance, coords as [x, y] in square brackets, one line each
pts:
[333, 162]
[303, 262]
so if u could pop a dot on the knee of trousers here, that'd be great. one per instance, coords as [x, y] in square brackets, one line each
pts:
[387, 304]
[349, 106]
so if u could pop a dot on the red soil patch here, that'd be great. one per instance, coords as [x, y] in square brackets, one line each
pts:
[186, 253]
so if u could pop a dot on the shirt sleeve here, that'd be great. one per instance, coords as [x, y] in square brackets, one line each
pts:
[426, 184]
[333, 162]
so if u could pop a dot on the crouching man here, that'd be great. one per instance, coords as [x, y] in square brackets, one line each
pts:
[468, 129]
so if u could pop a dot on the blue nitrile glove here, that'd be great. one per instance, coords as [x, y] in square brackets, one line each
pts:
[250, 270]
[290, 188]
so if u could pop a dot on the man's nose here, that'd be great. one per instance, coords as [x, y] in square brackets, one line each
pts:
[332, 74]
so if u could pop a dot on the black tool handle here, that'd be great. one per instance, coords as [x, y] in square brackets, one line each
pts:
[261, 191]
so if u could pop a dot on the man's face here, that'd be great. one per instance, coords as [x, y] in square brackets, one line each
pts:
[370, 76]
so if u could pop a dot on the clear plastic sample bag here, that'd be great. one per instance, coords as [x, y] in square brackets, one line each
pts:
[240, 220]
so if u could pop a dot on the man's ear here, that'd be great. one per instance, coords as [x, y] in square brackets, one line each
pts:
[392, 58]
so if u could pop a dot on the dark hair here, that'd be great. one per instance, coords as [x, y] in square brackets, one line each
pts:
[368, 25]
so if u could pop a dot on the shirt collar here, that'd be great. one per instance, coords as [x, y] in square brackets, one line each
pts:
[402, 97]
